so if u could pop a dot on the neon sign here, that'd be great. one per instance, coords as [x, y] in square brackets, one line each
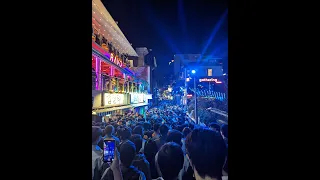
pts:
[210, 80]
[115, 59]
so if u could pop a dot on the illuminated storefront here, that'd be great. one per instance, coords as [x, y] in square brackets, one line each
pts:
[113, 82]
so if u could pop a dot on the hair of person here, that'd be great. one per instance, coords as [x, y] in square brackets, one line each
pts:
[150, 149]
[156, 126]
[186, 131]
[138, 130]
[124, 133]
[164, 130]
[127, 152]
[170, 160]
[147, 126]
[109, 130]
[96, 133]
[140, 124]
[224, 130]
[137, 140]
[215, 126]
[207, 151]
[174, 136]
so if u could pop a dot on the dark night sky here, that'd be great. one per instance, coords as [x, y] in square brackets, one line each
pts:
[170, 27]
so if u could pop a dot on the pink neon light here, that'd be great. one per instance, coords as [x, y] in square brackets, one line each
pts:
[110, 56]
[97, 73]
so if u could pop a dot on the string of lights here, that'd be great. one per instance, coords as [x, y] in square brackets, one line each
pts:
[210, 94]
[104, 24]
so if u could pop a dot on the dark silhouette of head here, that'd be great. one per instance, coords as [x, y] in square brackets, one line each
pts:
[138, 130]
[186, 131]
[206, 151]
[127, 152]
[96, 134]
[169, 160]
[174, 136]
[124, 133]
[214, 126]
[137, 140]
[109, 130]
[164, 130]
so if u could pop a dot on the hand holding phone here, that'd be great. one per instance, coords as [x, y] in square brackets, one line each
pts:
[109, 147]
[115, 166]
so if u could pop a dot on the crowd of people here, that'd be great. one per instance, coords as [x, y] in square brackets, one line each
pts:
[164, 145]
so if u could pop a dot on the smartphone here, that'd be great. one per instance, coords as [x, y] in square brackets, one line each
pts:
[108, 150]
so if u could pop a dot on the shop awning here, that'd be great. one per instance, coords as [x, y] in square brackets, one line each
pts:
[112, 109]
[119, 107]
[139, 104]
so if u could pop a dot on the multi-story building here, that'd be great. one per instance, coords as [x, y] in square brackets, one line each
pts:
[209, 73]
[204, 65]
[115, 87]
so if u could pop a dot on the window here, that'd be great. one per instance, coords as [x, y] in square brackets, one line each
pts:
[209, 72]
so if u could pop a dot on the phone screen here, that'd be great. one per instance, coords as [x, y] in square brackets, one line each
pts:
[108, 150]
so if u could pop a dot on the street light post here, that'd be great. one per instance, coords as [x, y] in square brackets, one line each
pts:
[195, 97]
[195, 101]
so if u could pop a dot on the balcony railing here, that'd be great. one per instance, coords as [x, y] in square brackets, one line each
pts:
[116, 84]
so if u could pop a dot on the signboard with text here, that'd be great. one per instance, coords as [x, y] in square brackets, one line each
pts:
[210, 80]
[113, 99]
[137, 98]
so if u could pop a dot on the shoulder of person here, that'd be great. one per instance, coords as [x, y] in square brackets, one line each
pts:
[142, 176]
[105, 174]
[159, 178]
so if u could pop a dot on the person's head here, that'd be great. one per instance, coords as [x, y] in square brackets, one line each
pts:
[141, 119]
[120, 123]
[156, 127]
[206, 151]
[224, 130]
[127, 152]
[137, 140]
[124, 133]
[96, 134]
[214, 126]
[164, 130]
[174, 136]
[138, 130]
[109, 130]
[186, 131]
[146, 126]
[169, 161]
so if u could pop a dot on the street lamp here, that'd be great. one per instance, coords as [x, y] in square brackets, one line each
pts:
[195, 96]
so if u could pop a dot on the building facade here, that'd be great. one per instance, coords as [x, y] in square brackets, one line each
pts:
[115, 87]
[209, 74]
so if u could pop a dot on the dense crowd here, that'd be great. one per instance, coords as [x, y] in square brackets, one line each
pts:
[164, 145]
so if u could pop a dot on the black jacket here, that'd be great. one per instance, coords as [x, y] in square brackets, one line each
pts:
[143, 165]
